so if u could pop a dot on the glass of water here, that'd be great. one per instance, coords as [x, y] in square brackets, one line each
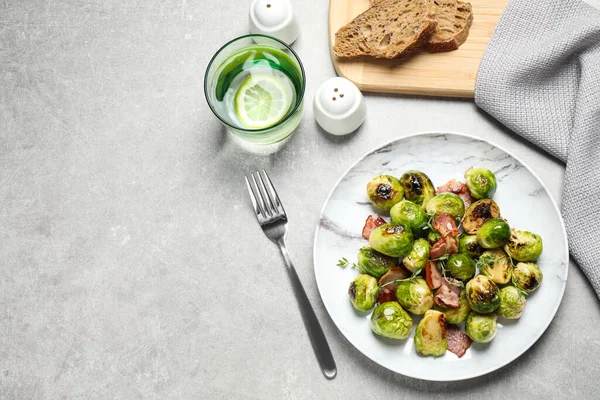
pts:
[255, 85]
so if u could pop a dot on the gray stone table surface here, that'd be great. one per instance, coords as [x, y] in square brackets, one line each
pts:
[131, 264]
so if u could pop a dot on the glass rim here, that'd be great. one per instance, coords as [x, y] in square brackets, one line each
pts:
[288, 116]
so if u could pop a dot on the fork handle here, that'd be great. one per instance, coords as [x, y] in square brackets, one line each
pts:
[311, 323]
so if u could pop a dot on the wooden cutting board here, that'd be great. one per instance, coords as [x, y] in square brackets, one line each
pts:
[449, 74]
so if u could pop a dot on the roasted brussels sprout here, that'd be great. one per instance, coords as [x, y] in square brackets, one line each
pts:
[391, 321]
[467, 244]
[448, 203]
[417, 187]
[461, 266]
[512, 302]
[433, 237]
[418, 256]
[363, 292]
[456, 315]
[412, 214]
[494, 233]
[384, 191]
[527, 276]
[482, 294]
[481, 327]
[394, 239]
[414, 295]
[481, 182]
[478, 213]
[431, 335]
[374, 263]
[495, 264]
[524, 246]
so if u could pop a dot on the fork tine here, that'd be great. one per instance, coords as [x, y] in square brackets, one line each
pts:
[260, 198]
[268, 196]
[277, 201]
[252, 196]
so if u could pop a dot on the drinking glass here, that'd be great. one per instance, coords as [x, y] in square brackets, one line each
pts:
[237, 62]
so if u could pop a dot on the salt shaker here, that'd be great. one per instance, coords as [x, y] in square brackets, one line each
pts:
[339, 107]
[274, 18]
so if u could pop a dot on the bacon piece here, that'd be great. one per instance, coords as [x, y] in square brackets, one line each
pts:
[452, 186]
[433, 276]
[438, 249]
[466, 198]
[455, 284]
[370, 224]
[458, 188]
[451, 245]
[445, 297]
[458, 341]
[446, 245]
[444, 224]
[388, 292]
[448, 294]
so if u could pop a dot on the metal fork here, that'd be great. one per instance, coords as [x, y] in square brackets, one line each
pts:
[273, 221]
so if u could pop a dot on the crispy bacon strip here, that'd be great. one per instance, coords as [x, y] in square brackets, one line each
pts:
[438, 249]
[433, 276]
[448, 294]
[452, 186]
[458, 188]
[388, 292]
[466, 198]
[451, 245]
[370, 224]
[444, 224]
[446, 245]
[458, 341]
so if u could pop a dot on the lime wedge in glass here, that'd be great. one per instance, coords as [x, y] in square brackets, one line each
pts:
[261, 101]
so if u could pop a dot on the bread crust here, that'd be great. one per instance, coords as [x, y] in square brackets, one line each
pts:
[437, 44]
[372, 34]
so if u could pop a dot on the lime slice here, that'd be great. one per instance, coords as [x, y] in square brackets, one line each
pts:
[261, 101]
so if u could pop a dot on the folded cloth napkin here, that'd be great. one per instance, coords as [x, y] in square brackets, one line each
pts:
[540, 76]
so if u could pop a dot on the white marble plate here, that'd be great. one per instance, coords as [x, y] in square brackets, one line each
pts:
[524, 202]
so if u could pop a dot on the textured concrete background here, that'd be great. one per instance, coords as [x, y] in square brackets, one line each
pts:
[131, 265]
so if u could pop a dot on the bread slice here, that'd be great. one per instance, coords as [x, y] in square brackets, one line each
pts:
[454, 21]
[391, 29]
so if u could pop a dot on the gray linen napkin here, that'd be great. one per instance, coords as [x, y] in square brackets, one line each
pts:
[540, 76]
